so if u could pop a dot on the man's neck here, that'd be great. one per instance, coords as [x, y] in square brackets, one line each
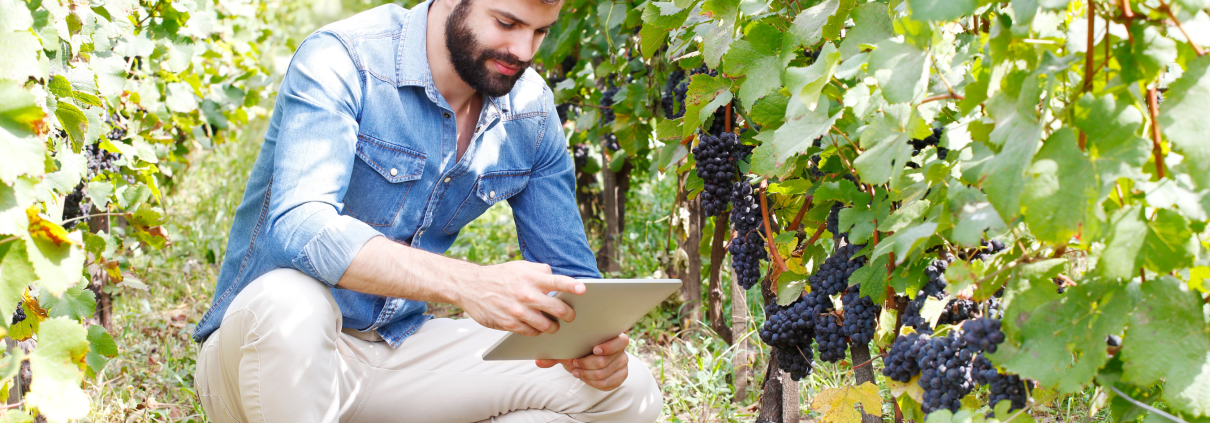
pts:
[460, 96]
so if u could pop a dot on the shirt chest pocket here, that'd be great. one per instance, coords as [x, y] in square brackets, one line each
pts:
[383, 175]
[490, 188]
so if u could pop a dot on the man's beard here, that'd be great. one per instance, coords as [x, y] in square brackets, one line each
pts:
[470, 61]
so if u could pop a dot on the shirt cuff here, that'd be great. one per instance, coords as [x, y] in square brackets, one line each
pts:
[328, 255]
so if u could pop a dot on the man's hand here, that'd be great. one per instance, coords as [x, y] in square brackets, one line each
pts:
[512, 297]
[605, 369]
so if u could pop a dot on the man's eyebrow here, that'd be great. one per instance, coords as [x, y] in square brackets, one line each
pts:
[514, 18]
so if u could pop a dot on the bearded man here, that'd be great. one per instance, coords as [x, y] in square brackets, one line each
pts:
[392, 130]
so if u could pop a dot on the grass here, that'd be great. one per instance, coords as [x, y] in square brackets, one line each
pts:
[152, 378]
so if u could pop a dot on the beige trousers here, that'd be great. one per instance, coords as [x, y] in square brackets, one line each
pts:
[280, 356]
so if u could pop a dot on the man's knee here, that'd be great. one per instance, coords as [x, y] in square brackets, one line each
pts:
[642, 391]
[287, 300]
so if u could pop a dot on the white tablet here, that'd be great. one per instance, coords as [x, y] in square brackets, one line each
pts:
[606, 309]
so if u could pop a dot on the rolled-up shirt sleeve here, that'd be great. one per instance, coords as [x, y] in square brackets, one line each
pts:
[549, 227]
[316, 139]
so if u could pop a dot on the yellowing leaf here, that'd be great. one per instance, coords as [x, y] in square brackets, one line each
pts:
[45, 230]
[1197, 278]
[837, 404]
[911, 388]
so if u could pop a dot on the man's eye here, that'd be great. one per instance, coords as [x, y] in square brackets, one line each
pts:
[505, 25]
[543, 31]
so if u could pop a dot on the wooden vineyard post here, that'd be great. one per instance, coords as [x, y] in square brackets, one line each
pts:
[739, 326]
[715, 293]
[691, 288]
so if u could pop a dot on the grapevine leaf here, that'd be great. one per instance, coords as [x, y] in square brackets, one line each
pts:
[75, 303]
[885, 141]
[716, 39]
[760, 59]
[14, 16]
[57, 266]
[1170, 194]
[859, 220]
[903, 242]
[1127, 232]
[179, 96]
[836, 22]
[706, 93]
[806, 84]
[789, 287]
[974, 220]
[55, 365]
[1169, 340]
[19, 113]
[1170, 245]
[1063, 341]
[19, 55]
[1112, 127]
[610, 14]
[871, 25]
[797, 134]
[1060, 188]
[911, 409]
[1183, 119]
[72, 168]
[1146, 55]
[808, 25]
[932, 309]
[22, 155]
[102, 348]
[1003, 177]
[838, 404]
[900, 70]
[904, 216]
[651, 38]
[942, 10]
[911, 388]
[74, 122]
[45, 230]
[16, 273]
[1197, 278]
[1194, 4]
[764, 159]
[770, 111]
[873, 281]
[98, 193]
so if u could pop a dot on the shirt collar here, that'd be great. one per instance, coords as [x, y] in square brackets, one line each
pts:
[412, 62]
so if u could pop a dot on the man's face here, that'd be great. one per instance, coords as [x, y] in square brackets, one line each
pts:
[491, 43]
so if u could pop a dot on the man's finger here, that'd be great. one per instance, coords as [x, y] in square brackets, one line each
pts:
[548, 283]
[612, 346]
[604, 372]
[540, 322]
[610, 383]
[554, 307]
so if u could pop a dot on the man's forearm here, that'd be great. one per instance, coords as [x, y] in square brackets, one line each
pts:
[386, 268]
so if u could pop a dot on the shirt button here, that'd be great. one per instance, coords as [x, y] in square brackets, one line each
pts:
[446, 114]
[491, 194]
[478, 128]
[447, 180]
[394, 171]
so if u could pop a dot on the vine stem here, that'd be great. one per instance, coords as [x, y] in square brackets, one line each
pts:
[806, 205]
[948, 96]
[948, 87]
[1167, 10]
[1131, 400]
[8, 240]
[764, 214]
[867, 362]
[91, 216]
[18, 404]
[1126, 12]
[1089, 61]
[1153, 107]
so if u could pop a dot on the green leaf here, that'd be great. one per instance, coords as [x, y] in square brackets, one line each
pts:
[1170, 245]
[1062, 344]
[903, 242]
[885, 140]
[19, 112]
[75, 303]
[1183, 119]
[98, 193]
[74, 122]
[808, 25]
[22, 156]
[101, 348]
[716, 39]
[942, 10]
[610, 14]
[789, 287]
[59, 86]
[1147, 53]
[764, 160]
[871, 25]
[57, 266]
[806, 84]
[1168, 340]
[706, 93]
[1060, 188]
[1126, 233]
[836, 22]
[900, 70]
[16, 273]
[1018, 133]
[20, 52]
[1194, 4]
[796, 135]
[873, 281]
[759, 58]
[55, 365]
[770, 111]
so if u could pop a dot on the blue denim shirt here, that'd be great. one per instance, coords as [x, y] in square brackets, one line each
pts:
[361, 144]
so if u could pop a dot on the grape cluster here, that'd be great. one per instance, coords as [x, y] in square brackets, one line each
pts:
[912, 317]
[100, 160]
[19, 315]
[717, 167]
[745, 213]
[747, 251]
[1008, 387]
[957, 310]
[945, 373]
[815, 172]
[833, 223]
[607, 115]
[935, 271]
[833, 275]
[860, 316]
[563, 110]
[674, 94]
[795, 361]
[982, 334]
[579, 155]
[900, 363]
[73, 206]
[789, 326]
[610, 142]
[986, 250]
[931, 140]
[829, 333]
